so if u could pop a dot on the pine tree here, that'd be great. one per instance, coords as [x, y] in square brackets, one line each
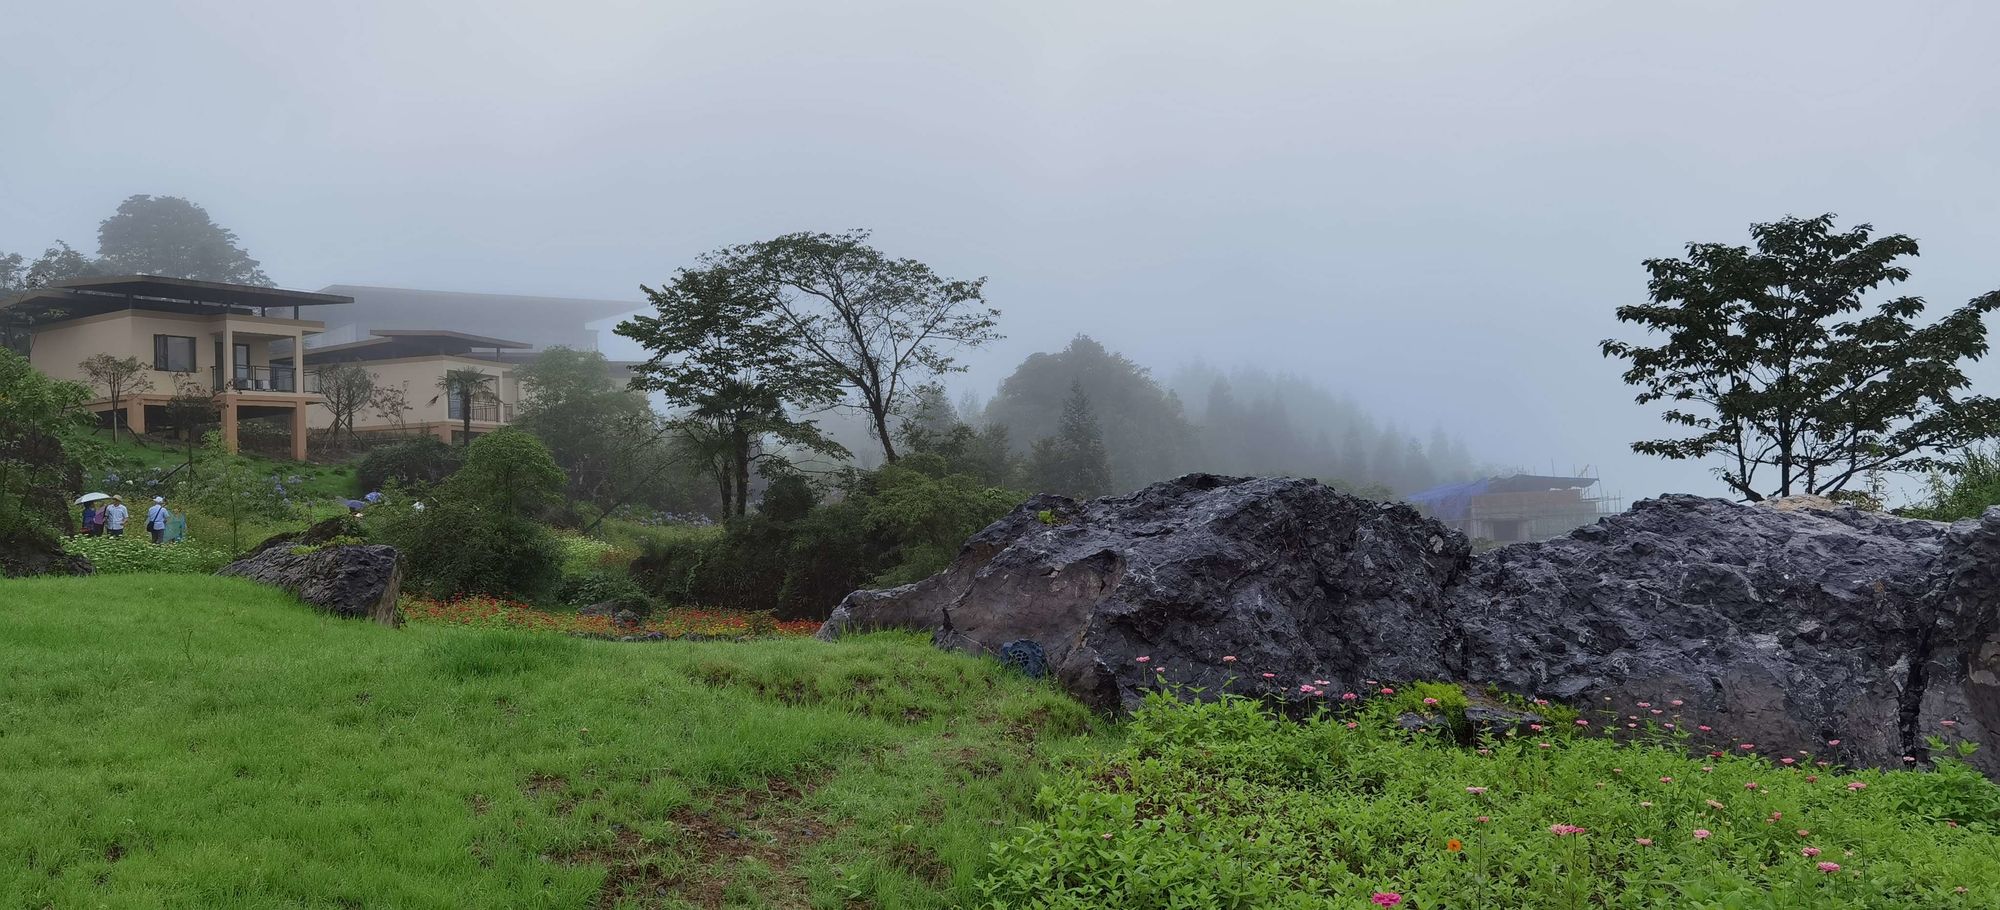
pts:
[1072, 462]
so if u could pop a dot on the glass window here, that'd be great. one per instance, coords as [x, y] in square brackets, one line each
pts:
[173, 353]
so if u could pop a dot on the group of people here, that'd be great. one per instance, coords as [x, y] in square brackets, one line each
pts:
[108, 517]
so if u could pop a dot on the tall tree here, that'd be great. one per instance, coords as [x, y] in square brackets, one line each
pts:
[172, 237]
[467, 387]
[725, 356]
[119, 378]
[881, 326]
[1072, 462]
[1763, 364]
[602, 433]
[1145, 433]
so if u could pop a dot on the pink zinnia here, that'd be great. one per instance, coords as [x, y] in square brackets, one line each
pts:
[1658, 711]
[1856, 785]
[1809, 851]
[1833, 742]
[1430, 701]
[1750, 785]
[1269, 675]
[1475, 791]
[1484, 819]
[1804, 833]
[1544, 745]
[1829, 868]
[1106, 836]
[1348, 696]
[1704, 728]
[1541, 702]
[1712, 804]
[1677, 703]
[1388, 691]
[1701, 834]
[1644, 841]
[1229, 658]
[1142, 658]
[1746, 746]
[1535, 727]
[1565, 830]
[1351, 725]
[1386, 898]
[1788, 760]
[1582, 723]
[1645, 704]
[1949, 723]
[1666, 780]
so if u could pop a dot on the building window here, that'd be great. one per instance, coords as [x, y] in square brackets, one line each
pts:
[173, 353]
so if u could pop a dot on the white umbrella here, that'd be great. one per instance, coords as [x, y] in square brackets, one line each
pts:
[90, 497]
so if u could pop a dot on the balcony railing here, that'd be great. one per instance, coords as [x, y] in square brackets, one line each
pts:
[489, 411]
[264, 379]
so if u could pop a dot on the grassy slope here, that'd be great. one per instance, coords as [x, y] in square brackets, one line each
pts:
[321, 489]
[183, 741]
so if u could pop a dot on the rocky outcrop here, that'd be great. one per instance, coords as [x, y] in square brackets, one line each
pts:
[1785, 627]
[361, 582]
[27, 552]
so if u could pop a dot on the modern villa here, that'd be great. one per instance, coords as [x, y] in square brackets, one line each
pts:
[222, 337]
[414, 361]
[243, 343]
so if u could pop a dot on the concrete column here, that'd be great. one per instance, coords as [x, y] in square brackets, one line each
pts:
[298, 431]
[229, 420]
[227, 370]
[135, 415]
[299, 362]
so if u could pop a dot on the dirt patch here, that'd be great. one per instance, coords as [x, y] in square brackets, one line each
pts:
[764, 826]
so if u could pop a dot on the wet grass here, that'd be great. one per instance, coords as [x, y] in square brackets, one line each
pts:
[185, 741]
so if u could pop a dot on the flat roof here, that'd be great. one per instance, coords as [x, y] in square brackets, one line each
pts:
[391, 343]
[91, 296]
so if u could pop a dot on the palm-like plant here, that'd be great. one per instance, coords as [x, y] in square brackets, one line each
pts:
[467, 386]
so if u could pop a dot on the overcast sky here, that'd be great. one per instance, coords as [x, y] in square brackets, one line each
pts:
[1432, 205]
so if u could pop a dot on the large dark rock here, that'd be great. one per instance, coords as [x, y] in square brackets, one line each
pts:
[1285, 576]
[317, 534]
[1785, 627]
[27, 552]
[352, 581]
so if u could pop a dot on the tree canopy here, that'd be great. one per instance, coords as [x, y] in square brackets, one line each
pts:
[175, 238]
[1766, 368]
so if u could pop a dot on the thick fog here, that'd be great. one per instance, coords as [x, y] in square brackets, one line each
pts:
[1432, 207]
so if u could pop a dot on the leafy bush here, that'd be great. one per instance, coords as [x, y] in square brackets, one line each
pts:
[117, 555]
[478, 535]
[1965, 493]
[585, 589]
[420, 462]
[1228, 804]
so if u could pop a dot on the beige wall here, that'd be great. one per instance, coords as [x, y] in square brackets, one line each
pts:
[58, 349]
[418, 378]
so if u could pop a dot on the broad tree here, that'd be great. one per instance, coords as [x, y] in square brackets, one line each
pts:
[603, 433]
[881, 326]
[118, 378]
[44, 446]
[1769, 365]
[174, 238]
[725, 356]
[1072, 462]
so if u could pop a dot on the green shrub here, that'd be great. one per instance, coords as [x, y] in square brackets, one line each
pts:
[1965, 493]
[420, 462]
[452, 548]
[118, 555]
[584, 589]
[1228, 804]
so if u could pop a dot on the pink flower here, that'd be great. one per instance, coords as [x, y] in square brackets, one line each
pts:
[1544, 746]
[1269, 675]
[1701, 834]
[1348, 696]
[1484, 819]
[1949, 723]
[1305, 688]
[1141, 659]
[1750, 785]
[1829, 868]
[1804, 833]
[1535, 727]
[1430, 701]
[1475, 791]
[1704, 728]
[1386, 898]
[1321, 682]
[1788, 760]
[1812, 778]
[1668, 726]
[1707, 769]
[1646, 804]
[1666, 780]
[1677, 703]
[1833, 742]
[1582, 723]
[1712, 804]
[1229, 658]
[1565, 830]
[1541, 702]
[1631, 726]
[1645, 704]
[1809, 851]
[1351, 725]
[1106, 836]
[1746, 746]
[1657, 711]
[1484, 751]
[1856, 785]
[1388, 691]
[1909, 758]
[1643, 841]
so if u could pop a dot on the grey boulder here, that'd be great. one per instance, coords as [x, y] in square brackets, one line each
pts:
[358, 582]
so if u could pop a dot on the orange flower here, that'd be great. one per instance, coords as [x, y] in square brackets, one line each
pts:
[1454, 845]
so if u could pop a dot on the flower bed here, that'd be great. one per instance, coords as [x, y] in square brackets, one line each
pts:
[495, 613]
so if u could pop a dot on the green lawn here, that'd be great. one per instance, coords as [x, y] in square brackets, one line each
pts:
[186, 741]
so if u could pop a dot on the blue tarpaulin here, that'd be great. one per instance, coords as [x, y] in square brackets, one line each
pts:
[1453, 501]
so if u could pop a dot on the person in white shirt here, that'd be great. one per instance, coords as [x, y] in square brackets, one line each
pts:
[156, 519]
[114, 517]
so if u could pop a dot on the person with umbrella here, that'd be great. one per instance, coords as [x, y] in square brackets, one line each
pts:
[93, 513]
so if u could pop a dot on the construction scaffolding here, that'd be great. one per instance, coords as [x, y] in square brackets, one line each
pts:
[1518, 508]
